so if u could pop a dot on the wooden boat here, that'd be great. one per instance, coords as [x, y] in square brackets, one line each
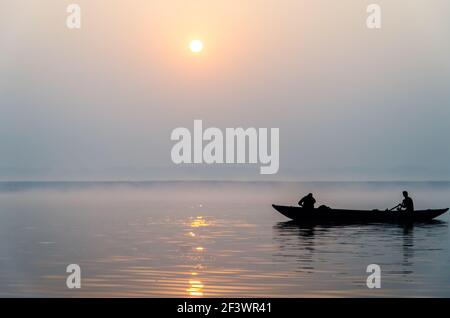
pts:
[328, 215]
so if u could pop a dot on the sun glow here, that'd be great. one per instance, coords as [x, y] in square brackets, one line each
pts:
[196, 46]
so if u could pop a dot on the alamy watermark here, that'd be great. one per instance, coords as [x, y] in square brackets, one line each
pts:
[73, 20]
[374, 279]
[235, 145]
[373, 21]
[73, 281]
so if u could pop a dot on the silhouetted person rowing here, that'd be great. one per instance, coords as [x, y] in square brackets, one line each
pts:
[307, 202]
[407, 204]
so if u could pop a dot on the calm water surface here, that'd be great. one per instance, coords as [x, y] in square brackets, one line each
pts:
[214, 239]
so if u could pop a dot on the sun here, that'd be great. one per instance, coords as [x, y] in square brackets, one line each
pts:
[196, 46]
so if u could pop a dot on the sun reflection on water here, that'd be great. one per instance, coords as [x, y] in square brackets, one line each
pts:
[196, 286]
[199, 222]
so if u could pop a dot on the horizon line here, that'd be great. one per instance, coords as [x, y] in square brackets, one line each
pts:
[229, 181]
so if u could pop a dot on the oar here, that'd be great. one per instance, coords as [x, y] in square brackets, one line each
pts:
[395, 207]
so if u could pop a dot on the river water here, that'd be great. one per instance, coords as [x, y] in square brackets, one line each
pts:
[215, 239]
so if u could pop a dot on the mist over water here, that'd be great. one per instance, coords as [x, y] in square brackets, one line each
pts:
[163, 239]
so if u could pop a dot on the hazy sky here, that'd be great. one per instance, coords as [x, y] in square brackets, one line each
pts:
[100, 103]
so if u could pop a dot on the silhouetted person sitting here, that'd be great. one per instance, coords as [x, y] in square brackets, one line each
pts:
[407, 204]
[307, 202]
